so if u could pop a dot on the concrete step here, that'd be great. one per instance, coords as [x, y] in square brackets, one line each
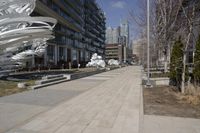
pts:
[49, 84]
[45, 81]
[52, 77]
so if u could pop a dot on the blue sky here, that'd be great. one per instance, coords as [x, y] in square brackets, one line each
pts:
[116, 10]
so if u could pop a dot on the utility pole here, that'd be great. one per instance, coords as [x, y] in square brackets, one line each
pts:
[148, 84]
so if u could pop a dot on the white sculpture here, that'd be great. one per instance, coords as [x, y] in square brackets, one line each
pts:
[96, 61]
[22, 36]
[113, 62]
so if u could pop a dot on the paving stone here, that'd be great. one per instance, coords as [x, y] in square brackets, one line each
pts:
[109, 107]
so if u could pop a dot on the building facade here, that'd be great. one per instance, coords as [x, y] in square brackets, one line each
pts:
[114, 51]
[80, 32]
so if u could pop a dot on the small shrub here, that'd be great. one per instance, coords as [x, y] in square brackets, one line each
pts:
[196, 71]
[176, 64]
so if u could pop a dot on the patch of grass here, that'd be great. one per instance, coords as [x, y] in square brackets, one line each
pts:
[30, 83]
[190, 99]
[8, 88]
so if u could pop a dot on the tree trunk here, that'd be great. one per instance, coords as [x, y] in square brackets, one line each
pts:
[183, 74]
[190, 26]
[165, 66]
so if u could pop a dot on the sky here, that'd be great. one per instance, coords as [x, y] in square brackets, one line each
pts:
[117, 10]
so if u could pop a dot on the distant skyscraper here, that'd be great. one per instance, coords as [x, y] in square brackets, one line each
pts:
[112, 35]
[116, 34]
[109, 35]
[119, 36]
[122, 40]
[124, 31]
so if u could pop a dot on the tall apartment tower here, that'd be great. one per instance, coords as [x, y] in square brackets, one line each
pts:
[79, 33]
[124, 29]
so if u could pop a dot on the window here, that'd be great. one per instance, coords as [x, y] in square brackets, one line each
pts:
[87, 56]
[61, 53]
[50, 52]
[82, 57]
[58, 27]
[56, 8]
[63, 29]
[74, 55]
[63, 39]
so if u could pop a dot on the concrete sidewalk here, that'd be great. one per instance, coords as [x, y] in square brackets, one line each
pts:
[19, 108]
[167, 124]
[110, 107]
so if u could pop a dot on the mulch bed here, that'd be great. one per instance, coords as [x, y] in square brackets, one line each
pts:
[167, 101]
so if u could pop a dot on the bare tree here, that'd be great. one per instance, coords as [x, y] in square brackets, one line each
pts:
[189, 12]
[138, 18]
[166, 19]
[163, 28]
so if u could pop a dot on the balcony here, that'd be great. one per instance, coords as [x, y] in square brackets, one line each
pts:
[96, 44]
[88, 4]
[100, 51]
[90, 20]
[95, 30]
[71, 11]
[90, 48]
[78, 44]
[90, 34]
[77, 5]
[99, 27]
[94, 15]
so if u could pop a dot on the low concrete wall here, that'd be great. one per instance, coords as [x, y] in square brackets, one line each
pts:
[161, 81]
[68, 77]
[39, 74]
[85, 74]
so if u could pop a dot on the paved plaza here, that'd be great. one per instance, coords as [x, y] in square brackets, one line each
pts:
[18, 108]
[104, 103]
[110, 102]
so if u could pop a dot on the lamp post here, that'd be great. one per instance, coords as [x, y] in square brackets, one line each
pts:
[148, 43]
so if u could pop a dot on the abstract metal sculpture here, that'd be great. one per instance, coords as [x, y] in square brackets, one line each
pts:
[22, 36]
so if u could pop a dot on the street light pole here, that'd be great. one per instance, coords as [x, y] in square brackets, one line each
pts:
[148, 43]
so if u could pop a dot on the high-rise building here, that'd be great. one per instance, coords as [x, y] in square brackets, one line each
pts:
[94, 28]
[119, 36]
[112, 35]
[116, 34]
[80, 31]
[109, 35]
[124, 31]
